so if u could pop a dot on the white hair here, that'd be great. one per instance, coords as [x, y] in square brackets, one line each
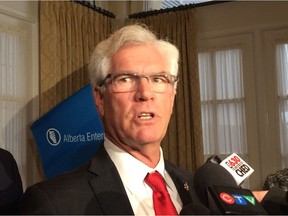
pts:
[100, 61]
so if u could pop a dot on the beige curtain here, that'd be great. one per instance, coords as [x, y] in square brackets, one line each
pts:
[183, 142]
[69, 33]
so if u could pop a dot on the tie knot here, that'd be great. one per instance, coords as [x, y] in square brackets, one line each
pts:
[156, 181]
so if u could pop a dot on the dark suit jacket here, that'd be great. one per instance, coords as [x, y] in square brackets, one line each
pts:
[10, 183]
[95, 188]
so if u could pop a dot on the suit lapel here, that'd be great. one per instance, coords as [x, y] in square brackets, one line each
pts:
[110, 192]
[108, 187]
[181, 183]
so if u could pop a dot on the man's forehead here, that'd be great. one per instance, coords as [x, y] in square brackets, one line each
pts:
[138, 58]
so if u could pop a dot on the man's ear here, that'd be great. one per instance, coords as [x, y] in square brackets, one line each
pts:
[98, 100]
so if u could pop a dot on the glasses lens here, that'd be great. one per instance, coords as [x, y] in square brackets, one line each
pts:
[125, 82]
[159, 82]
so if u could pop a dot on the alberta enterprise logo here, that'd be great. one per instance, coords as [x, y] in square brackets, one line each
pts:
[237, 199]
[54, 137]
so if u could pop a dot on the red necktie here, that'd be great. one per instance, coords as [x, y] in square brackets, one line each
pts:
[161, 199]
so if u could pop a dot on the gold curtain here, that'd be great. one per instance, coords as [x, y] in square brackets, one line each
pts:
[183, 142]
[69, 33]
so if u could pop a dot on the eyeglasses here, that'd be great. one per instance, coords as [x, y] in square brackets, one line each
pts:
[127, 82]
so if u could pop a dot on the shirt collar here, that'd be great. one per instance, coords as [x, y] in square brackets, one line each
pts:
[131, 170]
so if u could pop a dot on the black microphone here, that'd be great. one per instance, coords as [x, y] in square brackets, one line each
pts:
[231, 200]
[218, 191]
[276, 202]
[194, 209]
[211, 174]
[235, 165]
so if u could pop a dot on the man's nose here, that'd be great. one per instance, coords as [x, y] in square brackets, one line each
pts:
[144, 91]
[144, 83]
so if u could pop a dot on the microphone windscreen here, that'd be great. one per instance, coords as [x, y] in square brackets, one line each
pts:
[211, 174]
[194, 209]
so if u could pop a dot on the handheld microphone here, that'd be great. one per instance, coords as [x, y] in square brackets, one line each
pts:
[235, 165]
[194, 209]
[231, 200]
[217, 190]
[276, 202]
[211, 174]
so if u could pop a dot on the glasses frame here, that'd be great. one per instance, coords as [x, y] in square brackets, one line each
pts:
[172, 79]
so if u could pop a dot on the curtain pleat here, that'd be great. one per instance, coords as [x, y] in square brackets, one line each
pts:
[69, 32]
[182, 144]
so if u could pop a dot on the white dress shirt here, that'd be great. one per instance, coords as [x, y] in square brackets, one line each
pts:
[133, 173]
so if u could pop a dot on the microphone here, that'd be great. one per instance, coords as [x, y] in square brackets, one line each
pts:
[211, 174]
[217, 190]
[231, 200]
[235, 165]
[276, 202]
[194, 209]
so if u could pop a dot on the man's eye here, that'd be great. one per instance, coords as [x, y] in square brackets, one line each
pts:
[160, 79]
[124, 79]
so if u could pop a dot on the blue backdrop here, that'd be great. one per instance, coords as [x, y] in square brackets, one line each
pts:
[69, 134]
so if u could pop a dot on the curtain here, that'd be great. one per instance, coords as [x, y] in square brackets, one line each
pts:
[282, 79]
[13, 93]
[182, 144]
[223, 102]
[69, 33]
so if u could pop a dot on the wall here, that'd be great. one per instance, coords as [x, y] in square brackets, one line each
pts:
[239, 16]
[26, 10]
[122, 9]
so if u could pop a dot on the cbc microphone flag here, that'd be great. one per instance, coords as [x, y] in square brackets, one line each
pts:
[69, 134]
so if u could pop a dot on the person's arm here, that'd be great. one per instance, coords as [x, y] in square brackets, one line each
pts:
[259, 195]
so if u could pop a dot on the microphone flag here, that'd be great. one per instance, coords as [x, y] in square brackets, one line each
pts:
[69, 134]
[237, 167]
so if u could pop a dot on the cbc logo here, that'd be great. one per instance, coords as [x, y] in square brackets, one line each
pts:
[53, 136]
[237, 199]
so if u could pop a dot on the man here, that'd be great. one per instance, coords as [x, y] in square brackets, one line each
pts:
[134, 76]
[10, 183]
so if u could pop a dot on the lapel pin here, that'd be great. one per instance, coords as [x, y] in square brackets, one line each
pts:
[186, 186]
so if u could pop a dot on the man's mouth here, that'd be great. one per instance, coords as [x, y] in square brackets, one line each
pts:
[146, 115]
